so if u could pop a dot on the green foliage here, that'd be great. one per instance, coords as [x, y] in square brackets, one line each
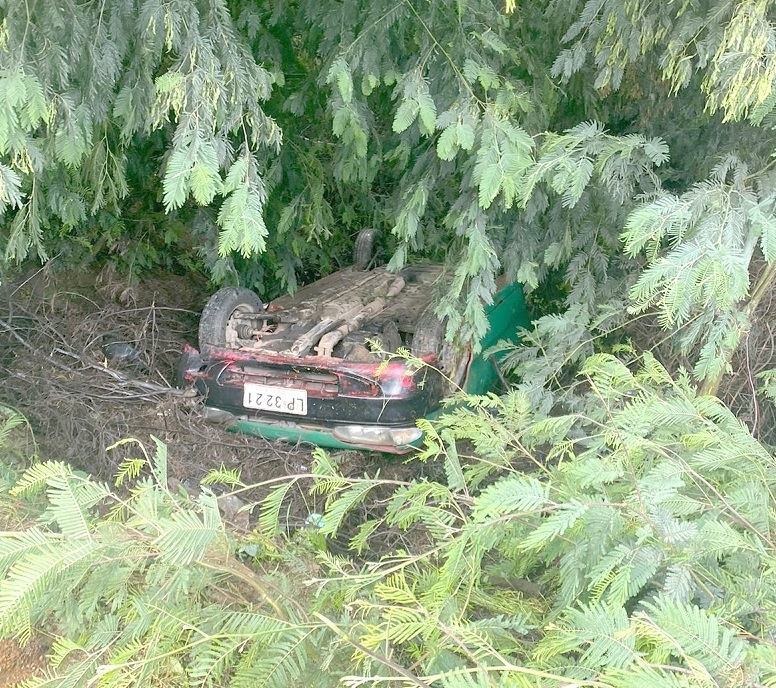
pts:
[118, 575]
[698, 283]
[725, 43]
[83, 87]
[532, 142]
[523, 142]
[626, 543]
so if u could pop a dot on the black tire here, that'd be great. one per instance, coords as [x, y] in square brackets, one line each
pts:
[215, 325]
[390, 339]
[363, 251]
[429, 335]
[429, 338]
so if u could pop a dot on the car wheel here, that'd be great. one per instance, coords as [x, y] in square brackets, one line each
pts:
[390, 339]
[363, 251]
[221, 324]
[429, 338]
[429, 334]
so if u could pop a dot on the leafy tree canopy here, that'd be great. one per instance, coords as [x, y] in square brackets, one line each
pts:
[523, 138]
[624, 145]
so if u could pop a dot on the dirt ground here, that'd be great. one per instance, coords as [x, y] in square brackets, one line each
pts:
[58, 367]
[58, 333]
[21, 663]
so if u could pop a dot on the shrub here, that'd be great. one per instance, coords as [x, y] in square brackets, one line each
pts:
[637, 551]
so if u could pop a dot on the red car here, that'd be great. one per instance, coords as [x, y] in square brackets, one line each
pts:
[321, 366]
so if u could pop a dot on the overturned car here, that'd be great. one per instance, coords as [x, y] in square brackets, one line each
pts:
[320, 366]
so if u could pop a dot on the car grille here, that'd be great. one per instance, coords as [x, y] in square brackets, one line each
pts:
[315, 382]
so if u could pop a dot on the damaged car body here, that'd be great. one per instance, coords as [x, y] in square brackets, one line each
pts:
[320, 366]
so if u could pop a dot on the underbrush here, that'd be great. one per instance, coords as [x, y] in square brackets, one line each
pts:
[18, 450]
[638, 551]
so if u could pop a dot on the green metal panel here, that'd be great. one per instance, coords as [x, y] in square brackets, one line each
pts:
[319, 438]
[505, 315]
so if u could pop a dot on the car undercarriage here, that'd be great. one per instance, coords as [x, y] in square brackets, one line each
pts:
[351, 360]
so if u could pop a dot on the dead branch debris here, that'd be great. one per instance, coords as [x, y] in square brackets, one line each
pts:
[57, 368]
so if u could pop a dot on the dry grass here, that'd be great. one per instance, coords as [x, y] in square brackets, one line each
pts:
[54, 371]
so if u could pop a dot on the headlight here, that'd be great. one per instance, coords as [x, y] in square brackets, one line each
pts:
[377, 436]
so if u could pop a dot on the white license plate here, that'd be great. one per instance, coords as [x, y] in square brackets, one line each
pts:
[278, 399]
